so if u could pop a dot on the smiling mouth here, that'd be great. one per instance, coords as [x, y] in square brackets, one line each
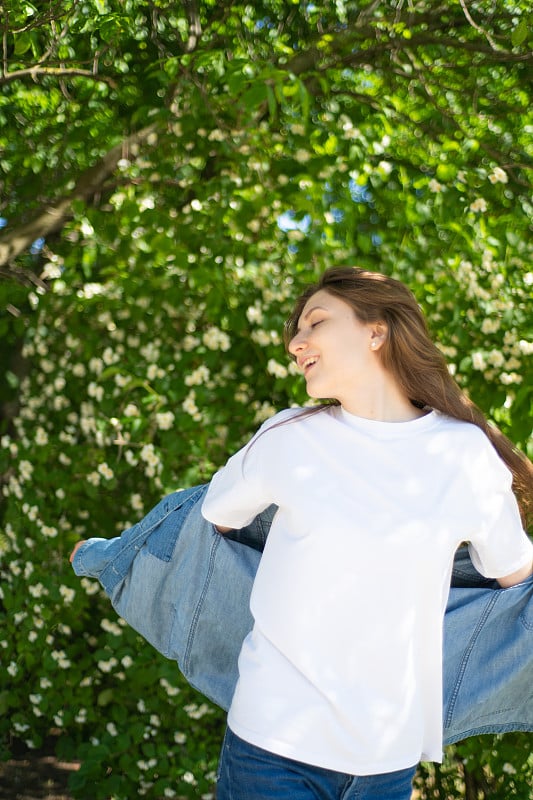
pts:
[308, 363]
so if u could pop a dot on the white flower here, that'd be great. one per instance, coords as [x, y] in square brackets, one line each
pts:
[51, 271]
[195, 711]
[12, 669]
[58, 655]
[525, 347]
[190, 343]
[276, 369]
[264, 412]
[67, 594]
[172, 691]
[25, 470]
[107, 666]
[164, 420]
[154, 371]
[498, 176]
[508, 378]
[495, 358]
[302, 156]
[79, 371]
[121, 380]
[435, 186]
[131, 410]
[150, 352]
[93, 478]
[111, 627]
[149, 455]
[41, 437]
[215, 339]
[21, 727]
[385, 166]
[478, 361]
[490, 325]
[190, 407]
[111, 728]
[37, 590]
[105, 471]
[126, 662]
[49, 531]
[96, 391]
[96, 365]
[136, 502]
[146, 203]
[198, 376]
[480, 204]
[90, 587]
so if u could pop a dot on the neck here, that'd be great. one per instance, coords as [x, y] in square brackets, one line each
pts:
[381, 401]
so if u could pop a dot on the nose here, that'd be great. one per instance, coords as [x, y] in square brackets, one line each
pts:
[297, 344]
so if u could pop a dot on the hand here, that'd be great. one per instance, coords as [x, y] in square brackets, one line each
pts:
[76, 547]
[223, 529]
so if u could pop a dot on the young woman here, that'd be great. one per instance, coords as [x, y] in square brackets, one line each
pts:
[340, 680]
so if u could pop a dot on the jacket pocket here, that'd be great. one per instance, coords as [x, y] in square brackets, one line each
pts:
[172, 513]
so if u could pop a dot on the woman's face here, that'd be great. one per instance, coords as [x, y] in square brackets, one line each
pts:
[334, 350]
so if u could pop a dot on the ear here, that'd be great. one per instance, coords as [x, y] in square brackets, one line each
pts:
[378, 335]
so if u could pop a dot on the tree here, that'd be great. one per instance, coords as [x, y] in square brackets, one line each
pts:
[169, 172]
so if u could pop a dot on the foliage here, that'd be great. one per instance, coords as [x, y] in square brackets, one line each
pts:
[171, 172]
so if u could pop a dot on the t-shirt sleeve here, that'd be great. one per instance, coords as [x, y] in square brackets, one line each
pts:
[243, 487]
[500, 546]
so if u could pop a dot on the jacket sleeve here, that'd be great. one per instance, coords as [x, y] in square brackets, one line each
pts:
[94, 555]
[109, 560]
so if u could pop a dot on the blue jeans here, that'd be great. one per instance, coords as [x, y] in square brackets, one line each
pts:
[247, 772]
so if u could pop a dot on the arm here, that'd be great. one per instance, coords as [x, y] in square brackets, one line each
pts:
[242, 489]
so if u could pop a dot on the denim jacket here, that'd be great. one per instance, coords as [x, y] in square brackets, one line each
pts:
[186, 589]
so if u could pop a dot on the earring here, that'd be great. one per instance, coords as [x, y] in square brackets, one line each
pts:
[373, 345]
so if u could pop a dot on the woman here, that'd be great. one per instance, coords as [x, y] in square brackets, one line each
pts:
[340, 686]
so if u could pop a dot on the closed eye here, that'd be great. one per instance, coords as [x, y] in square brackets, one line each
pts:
[314, 324]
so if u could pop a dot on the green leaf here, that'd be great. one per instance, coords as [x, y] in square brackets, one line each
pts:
[23, 42]
[520, 33]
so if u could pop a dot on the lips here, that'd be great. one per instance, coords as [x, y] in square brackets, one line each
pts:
[307, 363]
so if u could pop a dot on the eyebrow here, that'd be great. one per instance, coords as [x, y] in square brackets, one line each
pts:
[308, 314]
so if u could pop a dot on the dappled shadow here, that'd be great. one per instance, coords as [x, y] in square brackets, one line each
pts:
[35, 775]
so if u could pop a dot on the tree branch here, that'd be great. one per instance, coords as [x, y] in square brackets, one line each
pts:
[55, 72]
[52, 219]
[195, 25]
[477, 27]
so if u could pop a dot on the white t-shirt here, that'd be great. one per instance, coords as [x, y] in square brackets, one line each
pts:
[343, 668]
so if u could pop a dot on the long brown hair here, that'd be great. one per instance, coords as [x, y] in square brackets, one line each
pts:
[414, 360]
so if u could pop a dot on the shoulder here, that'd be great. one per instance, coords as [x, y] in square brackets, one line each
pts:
[462, 431]
[472, 447]
[288, 425]
[303, 415]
